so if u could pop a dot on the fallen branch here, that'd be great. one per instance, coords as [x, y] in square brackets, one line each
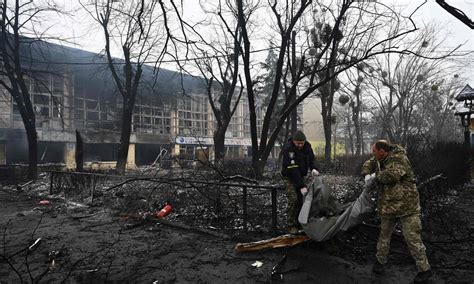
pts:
[378, 228]
[20, 187]
[133, 226]
[130, 180]
[78, 217]
[7, 261]
[150, 217]
[76, 263]
[186, 227]
[238, 177]
[96, 225]
[426, 182]
[276, 273]
[459, 265]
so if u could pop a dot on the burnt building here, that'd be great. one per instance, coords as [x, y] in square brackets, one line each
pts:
[73, 89]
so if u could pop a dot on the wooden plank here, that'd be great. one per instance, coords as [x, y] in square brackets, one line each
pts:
[277, 242]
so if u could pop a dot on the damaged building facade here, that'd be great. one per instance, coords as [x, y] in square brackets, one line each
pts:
[74, 91]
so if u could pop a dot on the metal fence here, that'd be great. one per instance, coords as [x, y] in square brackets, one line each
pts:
[239, 203]
[76, 186]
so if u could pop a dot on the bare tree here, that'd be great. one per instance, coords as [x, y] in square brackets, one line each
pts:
[264, 89]
[20, 27]
[219, 66]
[456, 13]
[351, 95]
[436, 113]
[353, 33]
[142, 31]
[401, 83]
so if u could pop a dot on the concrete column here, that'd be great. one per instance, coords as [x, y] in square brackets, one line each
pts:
[175, 150]
[70, 155]
[242, 151]
[212, 153]
[3, 153]
[174, 123]
[131, 157]
[68, 103]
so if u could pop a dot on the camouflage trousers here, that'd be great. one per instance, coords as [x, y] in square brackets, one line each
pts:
[294, 204]
[411, 227]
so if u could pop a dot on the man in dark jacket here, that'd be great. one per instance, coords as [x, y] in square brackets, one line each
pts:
[298, 158]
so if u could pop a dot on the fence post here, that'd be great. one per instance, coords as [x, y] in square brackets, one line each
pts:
[93, 188]
[51, 183]
[244, 205]
[274, 211]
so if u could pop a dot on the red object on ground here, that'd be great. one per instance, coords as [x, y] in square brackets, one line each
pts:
[44, 202]
[165, 211]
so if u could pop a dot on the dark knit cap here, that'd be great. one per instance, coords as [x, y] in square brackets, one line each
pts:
[299, 136]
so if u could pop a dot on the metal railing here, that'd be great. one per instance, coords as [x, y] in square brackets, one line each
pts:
[84, 185]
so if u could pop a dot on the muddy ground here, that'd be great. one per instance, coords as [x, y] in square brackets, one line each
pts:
[97, 244]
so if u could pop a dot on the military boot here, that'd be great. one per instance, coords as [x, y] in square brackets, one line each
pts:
[378, 268]
[292, 230]
[423, 276]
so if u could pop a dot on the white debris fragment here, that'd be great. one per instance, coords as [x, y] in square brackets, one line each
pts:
[34, 244]
[257, 264]
[72, 204]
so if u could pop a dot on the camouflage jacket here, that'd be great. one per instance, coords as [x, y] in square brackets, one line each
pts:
[398, 195]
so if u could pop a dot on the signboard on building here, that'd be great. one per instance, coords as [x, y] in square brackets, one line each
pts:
[209, 141]
[194, 140]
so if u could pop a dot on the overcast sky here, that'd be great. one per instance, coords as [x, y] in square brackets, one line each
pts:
[82, 32]
[432, 12]
[459, 32]
[429, 12]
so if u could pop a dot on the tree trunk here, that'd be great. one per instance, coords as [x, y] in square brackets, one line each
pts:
[125, 135]
[326, 111]
[359, 149]
[351, 137]
[79, 155]
[327, 138]
[32, 149]
[294, 113]
[219, 144]
[287, 135]
[258, 166]
[357, 128]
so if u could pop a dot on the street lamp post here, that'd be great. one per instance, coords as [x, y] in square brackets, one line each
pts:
[466, 122]
[466, 96]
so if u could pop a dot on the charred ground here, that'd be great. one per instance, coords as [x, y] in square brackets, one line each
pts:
[107, 236]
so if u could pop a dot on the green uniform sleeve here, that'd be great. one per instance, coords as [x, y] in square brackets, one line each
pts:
[369, 166]
[393, 171]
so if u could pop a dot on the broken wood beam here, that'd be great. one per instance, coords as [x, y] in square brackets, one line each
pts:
[277, 242]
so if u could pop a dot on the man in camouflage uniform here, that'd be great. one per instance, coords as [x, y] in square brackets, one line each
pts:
[397, 199]
[298, 158]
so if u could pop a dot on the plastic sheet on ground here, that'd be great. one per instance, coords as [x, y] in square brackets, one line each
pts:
[322, 216]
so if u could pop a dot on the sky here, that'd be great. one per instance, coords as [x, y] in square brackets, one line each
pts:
[432, 12]
[80, 29]
[458, 32]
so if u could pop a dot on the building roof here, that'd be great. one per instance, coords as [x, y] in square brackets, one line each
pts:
[467, 93]
[92, 74]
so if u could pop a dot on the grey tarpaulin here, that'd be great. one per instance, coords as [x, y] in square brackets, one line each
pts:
[321, 216]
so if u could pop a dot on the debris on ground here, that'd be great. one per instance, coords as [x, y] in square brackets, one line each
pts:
[257, 264]
[287, 240]
[199, 238]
